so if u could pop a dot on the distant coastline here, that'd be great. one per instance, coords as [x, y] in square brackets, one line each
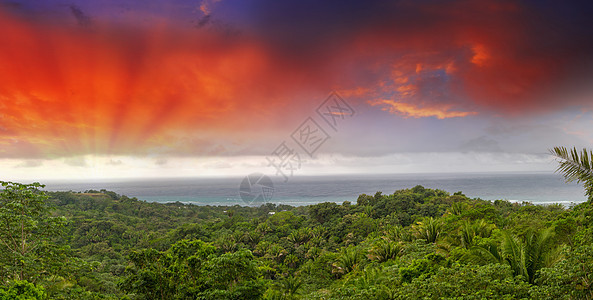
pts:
[535, 187]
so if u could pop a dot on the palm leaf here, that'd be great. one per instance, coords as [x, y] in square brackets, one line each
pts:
[576, 166]
[484, 254]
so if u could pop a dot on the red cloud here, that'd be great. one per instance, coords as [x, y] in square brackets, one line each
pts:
[138, 88]
[66, 90]
[411, 110]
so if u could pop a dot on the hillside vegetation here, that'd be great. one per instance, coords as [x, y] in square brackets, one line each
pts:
[416, 243]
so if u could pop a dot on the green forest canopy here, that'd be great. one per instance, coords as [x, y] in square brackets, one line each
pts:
[416, 243]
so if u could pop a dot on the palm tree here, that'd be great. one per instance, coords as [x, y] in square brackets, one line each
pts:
[262, 248]
[469, 231]
[576, 166]
[488, 253]
[428, 230]
[457, 208]
[291, 260]
[383, 251]
[373, 278]
[289, 287]
[347, 261]
[251, 238]
[276, 252]
[317, 232]
[300, 236]
[514, 253]
[226, 243]
[525, 256]
[313, 253]
[393, 233]
[263, 228]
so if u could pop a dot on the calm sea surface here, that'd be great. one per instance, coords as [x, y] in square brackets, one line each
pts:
[539, 188]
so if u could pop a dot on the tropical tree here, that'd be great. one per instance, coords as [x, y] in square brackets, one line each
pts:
[571, 278]
[291, 260]
[539, 252]
[289, 287]
[348, 260]
[383, 251]
[371, 283]
[429, 230]
[226, 243]
[276, 252]
[28, 233]
[232, 276]
[192, 270]
[300, 236]
[576, 166]
[469, 231]
[526, 256]
[22, 290]
[251, 238]
[487, 253]
[150, 275]
[457, 208]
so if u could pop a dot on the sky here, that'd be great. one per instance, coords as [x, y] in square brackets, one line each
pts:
[119, 89]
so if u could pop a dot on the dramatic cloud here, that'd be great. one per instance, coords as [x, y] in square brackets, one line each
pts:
[206, 6]
[230, 78]
[504, 56]
[112, 90]
[410, 110]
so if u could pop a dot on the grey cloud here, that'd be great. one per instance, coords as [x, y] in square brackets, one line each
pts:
[161, 161]
[113, 162]
[77, 161]
[481, 144]
[83, 19]
[30, 163]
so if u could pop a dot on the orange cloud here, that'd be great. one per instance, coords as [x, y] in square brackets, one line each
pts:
[409, 110]
[68, 91]
[494, 60]
[481, 55]
[140, 87]
[206, 6]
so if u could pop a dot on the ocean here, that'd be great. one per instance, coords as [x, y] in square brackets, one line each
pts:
[538, 188]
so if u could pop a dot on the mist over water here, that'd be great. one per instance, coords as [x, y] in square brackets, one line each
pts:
[539, 188]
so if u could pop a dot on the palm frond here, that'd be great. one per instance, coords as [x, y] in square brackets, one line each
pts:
[576, 166]
[484, 254]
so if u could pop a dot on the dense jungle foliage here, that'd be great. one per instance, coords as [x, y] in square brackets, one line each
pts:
[416, 243]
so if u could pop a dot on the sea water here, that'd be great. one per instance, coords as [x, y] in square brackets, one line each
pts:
[538, 188]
